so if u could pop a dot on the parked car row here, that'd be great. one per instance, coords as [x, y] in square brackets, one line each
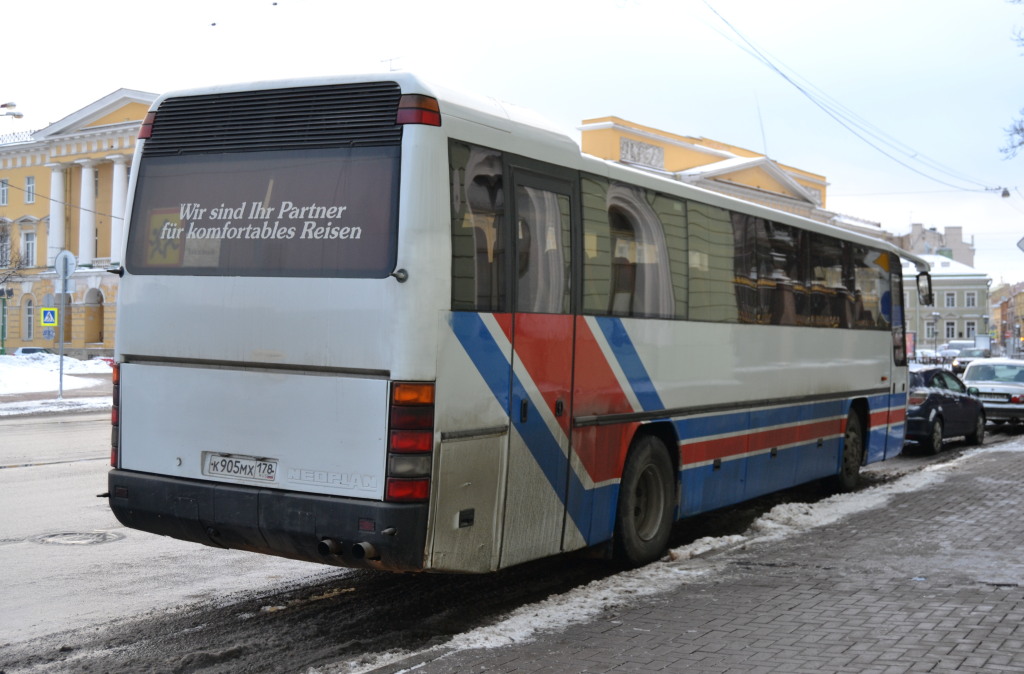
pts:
[941, 406]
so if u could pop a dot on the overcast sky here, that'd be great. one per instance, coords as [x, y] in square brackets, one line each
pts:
[933, 84]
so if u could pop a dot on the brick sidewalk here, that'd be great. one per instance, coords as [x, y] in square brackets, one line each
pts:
[931, 582]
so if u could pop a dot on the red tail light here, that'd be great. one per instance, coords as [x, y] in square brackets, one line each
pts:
[418, 109]
[115, 415]
[917, 398]
[146, 130]
[1016, 399]
[410, 442]
[407, 491]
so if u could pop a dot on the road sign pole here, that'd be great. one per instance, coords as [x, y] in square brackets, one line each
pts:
[65, 265]
[60, 331]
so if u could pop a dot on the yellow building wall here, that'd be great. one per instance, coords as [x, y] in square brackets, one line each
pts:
[89, 327]
[126, 113]
[686, 152]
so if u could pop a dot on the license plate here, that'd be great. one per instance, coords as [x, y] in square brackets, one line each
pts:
[238, 466]
[996, 398]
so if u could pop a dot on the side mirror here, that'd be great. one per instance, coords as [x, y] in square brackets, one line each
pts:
[924, 289]
[973, 390]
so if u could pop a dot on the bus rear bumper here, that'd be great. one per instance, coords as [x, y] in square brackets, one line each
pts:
[312, 527]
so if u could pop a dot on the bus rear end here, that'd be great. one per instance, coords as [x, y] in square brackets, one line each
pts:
[262, 401]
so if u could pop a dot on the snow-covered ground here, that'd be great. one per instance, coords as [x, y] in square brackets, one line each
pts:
[40, 373]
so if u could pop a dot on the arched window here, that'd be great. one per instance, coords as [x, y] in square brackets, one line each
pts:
[93, 316]
[638, 238]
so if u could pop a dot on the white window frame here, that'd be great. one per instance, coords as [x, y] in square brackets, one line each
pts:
[970, 329]
[950, 302]
[28, 248]
[950, 329]
[30, 189]
[4, 186]
[929, 330]
[970, 299]
[28, 326]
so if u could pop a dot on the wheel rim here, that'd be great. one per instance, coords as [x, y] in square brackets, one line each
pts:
[648, 503]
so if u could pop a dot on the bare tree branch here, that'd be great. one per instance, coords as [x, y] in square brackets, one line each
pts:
[11, 263]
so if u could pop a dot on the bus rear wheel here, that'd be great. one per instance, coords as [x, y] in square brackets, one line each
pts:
[853, 454]
[643, 519]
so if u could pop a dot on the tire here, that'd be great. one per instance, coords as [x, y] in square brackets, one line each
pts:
[644, 515]
[977, 436]
[853, 454]
[932, 443]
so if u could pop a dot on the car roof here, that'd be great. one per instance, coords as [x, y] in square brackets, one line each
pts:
[996, 361]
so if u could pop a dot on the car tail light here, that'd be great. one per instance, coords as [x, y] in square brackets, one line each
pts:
[115, 415]
[1016, 399]
[418, 109]
[410, 442]
[917, 398]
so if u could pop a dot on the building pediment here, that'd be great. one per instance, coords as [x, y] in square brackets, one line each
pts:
[122, 107]
[756, 173]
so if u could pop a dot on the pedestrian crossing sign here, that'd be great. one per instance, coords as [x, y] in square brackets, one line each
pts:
[48, 316]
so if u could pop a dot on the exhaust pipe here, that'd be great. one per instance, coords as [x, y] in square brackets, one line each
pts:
[364, 550]
[328, 546]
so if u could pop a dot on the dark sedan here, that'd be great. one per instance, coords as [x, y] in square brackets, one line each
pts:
[940, 406]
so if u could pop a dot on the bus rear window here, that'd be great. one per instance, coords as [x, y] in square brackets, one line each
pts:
[302, 213]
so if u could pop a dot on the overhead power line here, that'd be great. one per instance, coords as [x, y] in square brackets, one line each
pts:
[865, 131]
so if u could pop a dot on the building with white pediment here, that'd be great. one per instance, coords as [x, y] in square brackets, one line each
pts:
[64, 187]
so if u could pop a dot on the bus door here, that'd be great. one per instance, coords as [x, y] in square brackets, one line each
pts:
[897, 419]
[542, 336]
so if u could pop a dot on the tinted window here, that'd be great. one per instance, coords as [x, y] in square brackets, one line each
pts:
[479, 236]
[631, 266]
[543, 250]
[331, 212]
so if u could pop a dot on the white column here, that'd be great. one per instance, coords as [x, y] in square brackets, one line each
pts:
[118, 199]
[87, 213]
[55, 237]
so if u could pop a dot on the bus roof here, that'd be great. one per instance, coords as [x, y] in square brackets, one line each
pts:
[529, 125]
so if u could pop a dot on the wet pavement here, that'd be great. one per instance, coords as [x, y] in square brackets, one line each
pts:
[931, 582]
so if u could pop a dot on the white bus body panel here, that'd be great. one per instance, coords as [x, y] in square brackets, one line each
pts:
[326, 433]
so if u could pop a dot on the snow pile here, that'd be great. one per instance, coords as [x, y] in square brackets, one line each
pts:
[40, 373]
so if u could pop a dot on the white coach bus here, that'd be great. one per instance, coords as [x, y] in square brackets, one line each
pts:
[368, 322]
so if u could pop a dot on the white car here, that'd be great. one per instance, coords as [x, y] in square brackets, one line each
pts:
[29, 350]
[1000, 384]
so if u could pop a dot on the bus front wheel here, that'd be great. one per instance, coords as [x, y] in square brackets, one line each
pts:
[646, 505]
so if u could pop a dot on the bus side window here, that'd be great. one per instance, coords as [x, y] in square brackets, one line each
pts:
[712, 251]
[542, 250]
[478, 228]
[628, 269]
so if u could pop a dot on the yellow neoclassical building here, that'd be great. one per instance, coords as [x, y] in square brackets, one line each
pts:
[64, 187]
[711, 164]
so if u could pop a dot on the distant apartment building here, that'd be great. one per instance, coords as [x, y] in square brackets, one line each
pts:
[961, 308]
[929, 241]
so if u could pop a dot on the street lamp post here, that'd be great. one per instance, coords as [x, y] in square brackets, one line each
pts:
[9, 110]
